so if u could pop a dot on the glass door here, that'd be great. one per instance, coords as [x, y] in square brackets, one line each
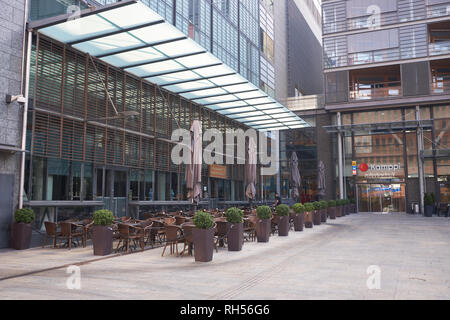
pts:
[111, 186]
[385, 198]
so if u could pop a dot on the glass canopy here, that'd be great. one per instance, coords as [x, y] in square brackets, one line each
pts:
[131, 36]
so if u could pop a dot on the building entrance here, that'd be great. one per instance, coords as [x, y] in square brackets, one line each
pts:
[384, 198]
[111, 186]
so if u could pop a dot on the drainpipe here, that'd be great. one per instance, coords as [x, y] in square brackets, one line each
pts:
[340, 158]
[25, 90]
[420, 162]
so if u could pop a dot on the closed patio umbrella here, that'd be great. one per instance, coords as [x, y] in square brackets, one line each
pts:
[193, 174]
[250, 170]
[296, 180]
[321, 184]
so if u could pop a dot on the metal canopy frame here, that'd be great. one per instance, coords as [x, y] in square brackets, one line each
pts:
[379, 128]
[131, 36]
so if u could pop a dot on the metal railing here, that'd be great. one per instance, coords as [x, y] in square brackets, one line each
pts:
[378, 90]
[439, 48]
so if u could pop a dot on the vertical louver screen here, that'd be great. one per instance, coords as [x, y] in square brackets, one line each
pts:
[75, 120]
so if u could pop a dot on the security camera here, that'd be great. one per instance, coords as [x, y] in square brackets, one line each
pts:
[20, 99]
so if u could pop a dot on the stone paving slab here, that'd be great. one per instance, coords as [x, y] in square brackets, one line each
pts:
[329, 261]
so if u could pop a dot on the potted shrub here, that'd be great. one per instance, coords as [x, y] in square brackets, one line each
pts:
[235, 235]
[21, 229]
[299, 216]
[263, 224]
[316, 214]
[309, 210]
[283, 220]
[323, 211]
[332, 209]
[203, 236]
[428, 202]
[102, 233]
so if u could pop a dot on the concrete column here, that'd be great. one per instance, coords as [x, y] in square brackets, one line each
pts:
[340, 159]
[420, 162]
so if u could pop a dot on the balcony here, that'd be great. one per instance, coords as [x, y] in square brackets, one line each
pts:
[439, 37]
[376, 90]
[375, 83]
[440, 76]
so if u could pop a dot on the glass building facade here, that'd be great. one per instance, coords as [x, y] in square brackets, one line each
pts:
[385, 65]
[79, 155]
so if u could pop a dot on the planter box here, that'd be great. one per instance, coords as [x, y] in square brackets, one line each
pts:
[332, 213]
[263, 228]
[323, 215]
[102, 239]
[299, 220]
[283, 226]
[308, 219]
[203, 244]
[235, 238]
[21, 236]
[429, 210]
[316, 217]
[339, 211]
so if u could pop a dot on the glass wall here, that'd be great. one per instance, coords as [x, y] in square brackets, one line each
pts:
[387, 158]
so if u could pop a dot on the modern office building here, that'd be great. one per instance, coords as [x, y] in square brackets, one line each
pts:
[386, 65]
[299, 83]
[107, 82]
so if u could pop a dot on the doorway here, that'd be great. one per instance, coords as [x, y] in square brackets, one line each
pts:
[385, 198]
[111, 186]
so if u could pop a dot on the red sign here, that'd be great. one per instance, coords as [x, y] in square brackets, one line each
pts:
[363, 167]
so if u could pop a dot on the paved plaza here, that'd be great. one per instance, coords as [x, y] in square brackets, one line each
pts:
[330, 261]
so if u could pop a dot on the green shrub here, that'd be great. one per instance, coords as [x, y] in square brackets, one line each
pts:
[282, 210]
[323, 204]
[103, 217]
[309, 207]
[352, 201]
[339, 202]
[316, 205]
[234, 215]
[203, 220]
[298, 208]
[24, 215]
[264, 212]
[331, 203]
[428, 199]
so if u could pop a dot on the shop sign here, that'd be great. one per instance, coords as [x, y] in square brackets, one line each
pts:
[218, 171]
[380, 170]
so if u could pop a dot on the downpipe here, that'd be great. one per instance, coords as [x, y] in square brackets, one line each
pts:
[25, 90]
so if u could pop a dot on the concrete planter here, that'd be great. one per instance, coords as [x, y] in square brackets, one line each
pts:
[339, 211]
[21, 236]
[429, 210]
[283, 226]
[309, 219]
[203, 244]
[102, 239]
[323, 215]
[263, 228]
[316, 217]
[332, 212]
[235, 238]
[299, 220]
